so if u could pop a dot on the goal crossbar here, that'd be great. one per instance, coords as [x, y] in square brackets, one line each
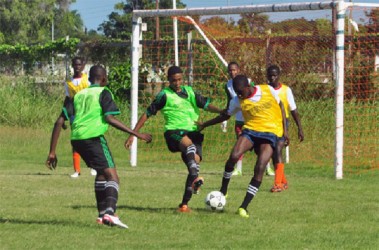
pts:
[230, 10]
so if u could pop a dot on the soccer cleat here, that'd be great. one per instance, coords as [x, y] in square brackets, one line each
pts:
[270, 171]
[75, 175]
[112, 220]
[237, 172]
[93, 172]
[285, 186]
[243, 212]
[196, 184]
[99, 220]
[184, 209]
[276, 189]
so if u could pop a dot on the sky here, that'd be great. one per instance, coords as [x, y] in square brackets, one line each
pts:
[95, 12]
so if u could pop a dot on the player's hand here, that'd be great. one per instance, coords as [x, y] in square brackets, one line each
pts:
[146, 137]
[300, 135]
[286, 139]
[52, 161]
[128, 142]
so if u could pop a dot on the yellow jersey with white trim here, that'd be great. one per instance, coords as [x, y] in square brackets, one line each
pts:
[262, 112]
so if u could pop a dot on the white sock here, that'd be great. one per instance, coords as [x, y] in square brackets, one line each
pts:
[239, 165]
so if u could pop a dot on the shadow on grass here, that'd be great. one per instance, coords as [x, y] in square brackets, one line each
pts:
[162, 210]
[42, 222]
[39, 174]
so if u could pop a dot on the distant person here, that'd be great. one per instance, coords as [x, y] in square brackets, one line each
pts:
[264, 117]
[286, 96]
[180, 107]
[72, 86]
[94, 110]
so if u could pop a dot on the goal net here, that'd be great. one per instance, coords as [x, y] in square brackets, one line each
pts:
[335, 82]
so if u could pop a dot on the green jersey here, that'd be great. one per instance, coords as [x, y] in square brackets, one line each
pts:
[91, 106]
[180, 113]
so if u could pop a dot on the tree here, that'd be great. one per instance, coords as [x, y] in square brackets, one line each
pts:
[373, 24]
[251, 23]
[119, 25]
[31, 21]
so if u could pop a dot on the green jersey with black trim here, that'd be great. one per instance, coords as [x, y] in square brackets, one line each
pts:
[180, 113]
[89, 119]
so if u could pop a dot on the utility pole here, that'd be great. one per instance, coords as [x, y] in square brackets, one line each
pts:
[157, 21]
[52, 39]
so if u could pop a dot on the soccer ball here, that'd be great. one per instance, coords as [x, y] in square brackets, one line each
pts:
[215, 201]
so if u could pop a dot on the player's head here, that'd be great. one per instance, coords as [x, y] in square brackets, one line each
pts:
[98, 75]
[175, 77]
[273, 75]
[233, 69]
[241, 86]
[78, 64]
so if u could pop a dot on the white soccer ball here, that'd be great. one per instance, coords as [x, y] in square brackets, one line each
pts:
[215, 201]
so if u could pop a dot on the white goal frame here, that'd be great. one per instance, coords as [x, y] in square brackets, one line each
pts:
[340, 7]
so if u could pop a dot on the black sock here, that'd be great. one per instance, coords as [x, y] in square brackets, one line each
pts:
[229, 167]
[111, 191]
[225, 182]
[100, 197]
[251, 192]
[187, 190]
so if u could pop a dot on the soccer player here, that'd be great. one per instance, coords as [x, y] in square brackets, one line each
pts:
[77, 82]
[233, 70]
[286, 96]
[180, 107]
[94, 110]
[264, 117]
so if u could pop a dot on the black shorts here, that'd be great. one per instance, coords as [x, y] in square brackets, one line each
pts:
[95, 152]
[173, 138]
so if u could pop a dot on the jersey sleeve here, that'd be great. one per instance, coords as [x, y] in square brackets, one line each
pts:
[201, 101]
[291, 99]
[234, 106]
[107, 103]
[158, 104]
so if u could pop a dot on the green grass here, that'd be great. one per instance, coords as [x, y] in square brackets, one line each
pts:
[41, 209]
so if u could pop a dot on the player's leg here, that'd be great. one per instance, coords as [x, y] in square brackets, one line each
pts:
[264, 151]
[242, 145]
[76, 163]
[279, 167]
[96, 154]
[238, 130]
[191, 157]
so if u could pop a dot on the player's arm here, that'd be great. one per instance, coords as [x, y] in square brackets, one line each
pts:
[218, 119]
[114, 122]
[67, 110]
[233, 108]
[158, 103]
[285, 132]
[295, 114]
[205, 103]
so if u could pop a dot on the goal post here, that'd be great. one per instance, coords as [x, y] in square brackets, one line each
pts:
[335, 44]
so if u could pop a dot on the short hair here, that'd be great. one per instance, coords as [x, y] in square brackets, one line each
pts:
[273, 67]
[174, 70]
[97, 72]
[78, 58]
[233, 63]
[240, 81]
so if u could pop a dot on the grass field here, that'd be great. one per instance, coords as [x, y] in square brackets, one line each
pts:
[41, 209]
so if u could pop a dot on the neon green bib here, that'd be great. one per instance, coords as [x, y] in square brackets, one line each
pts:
[89, 119]
[180, 113]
